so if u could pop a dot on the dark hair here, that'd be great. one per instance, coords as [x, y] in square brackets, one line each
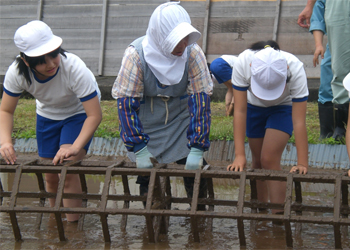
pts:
[34, 61]
[261, 45]
[273, 44]
[208, 64]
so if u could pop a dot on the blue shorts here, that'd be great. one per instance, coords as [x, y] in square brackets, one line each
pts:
[51, 134]
[221, 70]
[276, 117]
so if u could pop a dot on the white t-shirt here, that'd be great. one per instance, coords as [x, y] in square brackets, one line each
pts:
[296, 89]
[59, 97]
[229, 59]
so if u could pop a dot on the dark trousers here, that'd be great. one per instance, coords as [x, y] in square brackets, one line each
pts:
[188, 183]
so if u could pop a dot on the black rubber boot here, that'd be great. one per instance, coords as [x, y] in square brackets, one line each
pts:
[203, 190]
[325, 114]
[341, 112]
[143, 181]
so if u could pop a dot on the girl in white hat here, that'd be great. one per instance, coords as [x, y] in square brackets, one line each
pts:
[270, 92]
[346, 83]
[163, 92]
[67, 103]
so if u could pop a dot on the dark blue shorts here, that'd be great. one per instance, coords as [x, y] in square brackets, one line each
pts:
[276, 117]
[51, 134]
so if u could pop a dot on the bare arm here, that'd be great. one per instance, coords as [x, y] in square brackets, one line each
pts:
[239, 131]
[305, 15]
[300, 134]
[229, 100]
[94, 116]
[319, 49]
[7, 109]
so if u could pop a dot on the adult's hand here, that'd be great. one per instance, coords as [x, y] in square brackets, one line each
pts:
[194, 159]
[8, 153]
[305, 15]
[319, 51]
[143, 158]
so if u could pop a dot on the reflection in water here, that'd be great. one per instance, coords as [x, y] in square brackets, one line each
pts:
[224, 234]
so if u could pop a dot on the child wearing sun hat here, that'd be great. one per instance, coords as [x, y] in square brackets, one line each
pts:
[67, 103]
[221, 68]
[270, 92]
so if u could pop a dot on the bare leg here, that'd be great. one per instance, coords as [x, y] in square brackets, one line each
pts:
[255, 145]
[51, 183]
[274, 143]
[71, 185]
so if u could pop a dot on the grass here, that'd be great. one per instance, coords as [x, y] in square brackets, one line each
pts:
[221, 128]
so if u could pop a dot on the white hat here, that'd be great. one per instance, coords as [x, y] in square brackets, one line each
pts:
[269, 74]
[346, 83]
[36, 39]
[168, 25]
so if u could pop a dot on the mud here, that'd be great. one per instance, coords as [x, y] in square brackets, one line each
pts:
[224, 234]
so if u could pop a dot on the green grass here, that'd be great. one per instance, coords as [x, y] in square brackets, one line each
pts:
[221, 128]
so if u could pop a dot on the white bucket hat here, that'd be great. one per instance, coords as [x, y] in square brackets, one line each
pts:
[36, 39]
[168, 25]
[269, 74]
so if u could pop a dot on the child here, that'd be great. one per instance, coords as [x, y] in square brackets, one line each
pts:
[270, 91]
[346, 83]
[67, 103]
[221, 68]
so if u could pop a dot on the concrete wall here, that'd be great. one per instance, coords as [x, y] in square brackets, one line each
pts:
[233, 26]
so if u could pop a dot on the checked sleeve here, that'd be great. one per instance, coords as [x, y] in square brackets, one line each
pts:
[130, 127]
[200, 115]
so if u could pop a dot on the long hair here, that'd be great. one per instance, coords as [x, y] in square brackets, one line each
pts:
[23, 69]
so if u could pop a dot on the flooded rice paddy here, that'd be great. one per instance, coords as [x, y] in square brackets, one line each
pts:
[224, 234]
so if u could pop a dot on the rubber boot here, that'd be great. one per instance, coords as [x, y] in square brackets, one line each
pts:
[325, 114]
[143, 181]
[203, 190]
[341, 112]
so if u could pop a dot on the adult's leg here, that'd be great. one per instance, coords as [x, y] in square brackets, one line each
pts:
[255, 145]
[189, 182]
[274, 143]
[325, 97]
[337, 18]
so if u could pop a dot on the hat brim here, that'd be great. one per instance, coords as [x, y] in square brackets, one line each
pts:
[180, 32]
[264, 94]
[46, 48]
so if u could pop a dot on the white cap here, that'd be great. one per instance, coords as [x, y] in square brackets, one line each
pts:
[346, 82]
[269, 74]
[36, 39]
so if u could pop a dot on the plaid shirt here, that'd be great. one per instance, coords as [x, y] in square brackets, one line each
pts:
[128, 89]
[129, 82]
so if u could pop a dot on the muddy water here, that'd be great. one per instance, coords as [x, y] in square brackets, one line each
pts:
[224, 234]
